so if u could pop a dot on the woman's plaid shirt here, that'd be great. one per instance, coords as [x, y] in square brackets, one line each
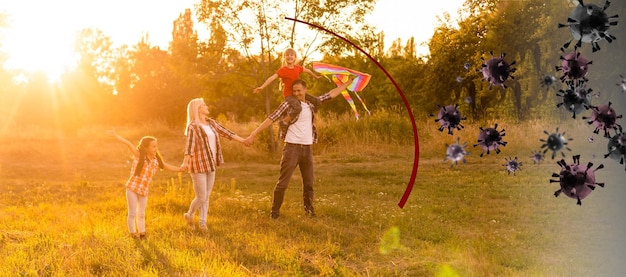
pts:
[197, 146]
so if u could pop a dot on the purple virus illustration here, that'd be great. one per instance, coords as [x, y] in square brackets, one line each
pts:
[512, 165]
[537, 157]
[548, 81]
[604, 117]
[496, 70]
[490, 139]
[555, 142]
[574, 66]
[468, 99]
[449, 117]
[456, 152]
[467, 65]
[576, 181]
[591, 139]
[617, 148]
[622, 84]
[590, 24]
[576, 98]
[459, 79]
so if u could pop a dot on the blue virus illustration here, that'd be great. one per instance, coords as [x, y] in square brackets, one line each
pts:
[467, 65]
[555, 142]
[537, 156]
[548, 81]
[496, 70]
[512, 165]
[574, 66]
[459, 79]
[468, 99]
[622, 84]
[456, 152]
[617, 148]
[449, 117]
[604, 117]
[490, 139]
[576, 181]
[590, 24]
[576, 97]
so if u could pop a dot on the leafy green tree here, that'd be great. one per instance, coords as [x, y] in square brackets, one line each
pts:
[150, 78]
[85, 93]
[259, 31]
[186, 82]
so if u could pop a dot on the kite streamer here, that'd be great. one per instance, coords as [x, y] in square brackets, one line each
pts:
[339, 75]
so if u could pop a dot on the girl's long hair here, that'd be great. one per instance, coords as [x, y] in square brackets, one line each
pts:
[143, 154]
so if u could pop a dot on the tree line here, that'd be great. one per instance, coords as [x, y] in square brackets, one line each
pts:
[141, 82]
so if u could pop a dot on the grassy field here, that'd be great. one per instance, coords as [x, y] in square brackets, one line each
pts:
[63, 211]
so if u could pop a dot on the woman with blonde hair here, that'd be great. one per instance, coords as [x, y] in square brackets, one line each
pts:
[203, 154]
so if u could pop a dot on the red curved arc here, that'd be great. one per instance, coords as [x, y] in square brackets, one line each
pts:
[409, 187]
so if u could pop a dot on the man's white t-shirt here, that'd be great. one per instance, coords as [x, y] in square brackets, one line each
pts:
[301, 132]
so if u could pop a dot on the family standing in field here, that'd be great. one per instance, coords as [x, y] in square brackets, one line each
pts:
[203, 152]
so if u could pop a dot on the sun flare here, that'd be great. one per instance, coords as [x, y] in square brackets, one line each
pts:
[42, 45]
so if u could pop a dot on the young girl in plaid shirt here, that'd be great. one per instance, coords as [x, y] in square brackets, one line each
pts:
[147, 160]
[203, 153]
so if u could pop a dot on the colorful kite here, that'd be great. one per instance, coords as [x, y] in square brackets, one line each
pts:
[339, 75]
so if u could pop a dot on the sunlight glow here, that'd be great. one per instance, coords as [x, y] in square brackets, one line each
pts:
[42, 32]
[39, 45]
[403, 19]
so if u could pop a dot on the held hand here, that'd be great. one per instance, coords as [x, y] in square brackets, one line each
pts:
[257, 90]
[249, 140]
[111, 132]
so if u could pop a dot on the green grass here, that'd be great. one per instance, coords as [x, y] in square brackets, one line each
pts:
[63, 211]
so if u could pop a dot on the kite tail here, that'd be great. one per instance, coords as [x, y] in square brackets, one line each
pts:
[346, 95]
[362, 103]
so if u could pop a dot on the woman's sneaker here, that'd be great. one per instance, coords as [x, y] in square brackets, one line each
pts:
[188, 218]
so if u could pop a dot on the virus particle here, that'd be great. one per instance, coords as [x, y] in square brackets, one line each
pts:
[576, 98]
[555, 142]
[617, 148]
[496, 70]
[459, 79]
[537, 156]
[512, 165]
[622, 84]
[468, 99]
[548, 81]
[467, 66]
[604, 117]
[456, 152]
[449, 117]
[576, 180]
[574, 66]
[591, 139]
[590, 24]
[490, 139]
